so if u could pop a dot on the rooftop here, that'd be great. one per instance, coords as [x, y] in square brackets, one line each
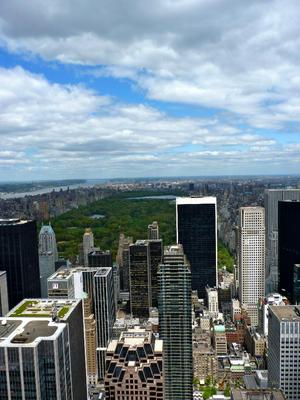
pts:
[13, 221]
[286, 313]
[257, 394]
[43, 308]
[61, 274]
[195, 200]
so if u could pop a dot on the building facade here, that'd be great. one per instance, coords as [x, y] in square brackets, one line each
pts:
[251, 259]
[87, 245]
[99, 259]
[134, 367]
[42, 351]
[288, 245]
[284, 350]
[19, 258]
[272, 197]
[175, 322]
[140, 278]
[153, 231]
[105, 314]
[196, 230]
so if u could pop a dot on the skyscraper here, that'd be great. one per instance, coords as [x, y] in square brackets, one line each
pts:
[153, 230]
[19, 258]
[123, 261]
[42, 351]
[196, 230]
[3, 294]
[105, 313]
[99, 259]
[175, 321]
[88, 245]
[288, 244]
[156, 257]
[272, 197]
[284, 350]
[140, 279]
[47, 256]
[134, 366]
[251, 259]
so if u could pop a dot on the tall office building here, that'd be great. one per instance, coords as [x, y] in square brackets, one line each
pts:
[47, 255]
[196, 230]
[134, 366]
[251, 259]
[42, 351]
[100, 259]
[140, 279]
[284, 350]
[123, 261]
[19, 258]
[3, 294]
[153, 230]
[288, 244]
[61, 285]
[105, 313]
[272, 197]
[90, 342]
[156, 257]
[87, 245]
[175, 322]
[296, 284]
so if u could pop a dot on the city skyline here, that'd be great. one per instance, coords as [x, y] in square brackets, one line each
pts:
[185, 88]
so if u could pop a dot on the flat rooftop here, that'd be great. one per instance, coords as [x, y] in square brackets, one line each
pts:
[286, 313]
[257, 394]
[63, 274]
[43, 308]
[13, 221]
[28, 331]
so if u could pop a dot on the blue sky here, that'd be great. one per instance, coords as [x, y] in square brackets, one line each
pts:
[93, 89]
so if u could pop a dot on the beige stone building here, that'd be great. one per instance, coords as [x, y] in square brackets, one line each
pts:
[204, 357]
[134, 367]
[90, 342]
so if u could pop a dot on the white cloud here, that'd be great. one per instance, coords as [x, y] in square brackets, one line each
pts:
[61, 130]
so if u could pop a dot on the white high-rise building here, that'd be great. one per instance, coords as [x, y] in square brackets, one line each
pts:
[272, 197]
[47, 256]
[212, 302]
[284, 350]
[251, 259]
[88, 245]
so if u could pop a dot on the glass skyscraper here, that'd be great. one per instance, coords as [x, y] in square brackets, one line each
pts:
[196, 229]
[288, 244]
[175, 322]
[19, 258]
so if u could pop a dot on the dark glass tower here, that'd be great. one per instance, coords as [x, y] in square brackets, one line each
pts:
[288, 244]
[196, 228]
[100, 259]
[175, 322]
[140, 283]
[156, 256]
[19, 258]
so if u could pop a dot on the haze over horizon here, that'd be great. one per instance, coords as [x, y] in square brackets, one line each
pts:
[93, 89]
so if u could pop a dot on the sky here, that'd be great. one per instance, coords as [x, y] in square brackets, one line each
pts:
[115, 88]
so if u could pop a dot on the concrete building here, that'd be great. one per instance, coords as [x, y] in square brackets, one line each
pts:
[87, 245]
[175, 321]
[3, 294]
[153, 231]
[256, 394]
[255, 342]
[47, 256]
[251, 259]
[90, 342]
[235, 308]
[272, 197]
[105, 314]
[220, 340]
[42, 351]
[205, 362]
[134, 367]
[212, 302]
[61, 285]
[284, 350]
[122, 260]
[196, 230]
[273, 299]
[19, 258]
